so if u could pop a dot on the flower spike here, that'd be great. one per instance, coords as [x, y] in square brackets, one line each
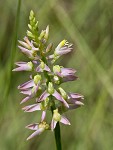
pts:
[43, 88]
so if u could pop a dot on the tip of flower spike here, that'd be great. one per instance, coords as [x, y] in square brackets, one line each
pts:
[31, 13]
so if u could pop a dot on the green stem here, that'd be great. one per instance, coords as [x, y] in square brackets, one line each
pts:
[58, 136]
[57, 133]
[57, 128]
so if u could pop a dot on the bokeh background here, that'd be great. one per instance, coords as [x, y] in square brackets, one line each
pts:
[88, 24]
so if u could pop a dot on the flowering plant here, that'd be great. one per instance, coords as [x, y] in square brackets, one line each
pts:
[44, 85]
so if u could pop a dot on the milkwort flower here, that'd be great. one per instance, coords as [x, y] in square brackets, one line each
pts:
[44, 84]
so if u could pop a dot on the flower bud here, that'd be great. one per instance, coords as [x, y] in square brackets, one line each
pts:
[63, 93]
[42, 65]
[56, 79]
[37, 78]
[30, 65]
[30, 27]
[49, 48]
[36, 25]
[44, 104]
[31, 14]
[50, 88]
[34, 20]
[30, 34]
[56, 68]
[41, 34]
[56, 115]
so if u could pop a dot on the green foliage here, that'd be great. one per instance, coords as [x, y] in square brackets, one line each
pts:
[89, 25]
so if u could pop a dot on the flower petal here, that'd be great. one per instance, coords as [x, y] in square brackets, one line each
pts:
[79, 103]
[26, 92]
[23, 67]
[64, 120]
[47, 68]
[43, 116]
[26, 85]
[32, 126]
[37, 132]
[67, 71]
[25, 51]
[20, 63]
[32, 108]
[43, 96]
[26, 45]
[75, 96]
[53, 124]
[26, 99]
[64, 50]
[69, 78]
[59, 97]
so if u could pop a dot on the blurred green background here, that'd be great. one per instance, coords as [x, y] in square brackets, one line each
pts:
[88, 24]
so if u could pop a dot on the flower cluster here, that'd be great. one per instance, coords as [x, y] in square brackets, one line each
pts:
[43, 86]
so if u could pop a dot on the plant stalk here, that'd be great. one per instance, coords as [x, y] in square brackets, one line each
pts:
[58, 137]
[57, 133]
[57, 128]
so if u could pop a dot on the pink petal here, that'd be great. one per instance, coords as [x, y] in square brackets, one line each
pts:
[24, 67]
[25, 51]
[27, 41]
[43, 116]
[59, 97]
[20, 63]
[38, 69]
[32, 126]
[53, 124]
[64, 50]
[26, 85]
[37, 132]
[36, 89]
[43, 96]
[26, 99]
[32, 108]
[47, 68]
[26, 92]
[67, 71]
[24, 44]
[75, 95]
[69, 78]
[79, 103]
[64, 120]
